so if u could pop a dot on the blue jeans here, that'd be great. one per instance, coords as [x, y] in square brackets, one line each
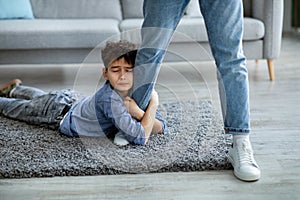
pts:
[37, 107]
[224, 24]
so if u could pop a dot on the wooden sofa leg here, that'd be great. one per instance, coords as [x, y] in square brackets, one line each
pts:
[271, 69]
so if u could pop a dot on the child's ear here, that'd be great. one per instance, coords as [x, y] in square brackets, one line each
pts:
[104, 73]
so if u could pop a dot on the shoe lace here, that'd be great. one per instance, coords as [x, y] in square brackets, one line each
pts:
[245, 153]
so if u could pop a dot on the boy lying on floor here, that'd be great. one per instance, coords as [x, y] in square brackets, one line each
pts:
[109, 112]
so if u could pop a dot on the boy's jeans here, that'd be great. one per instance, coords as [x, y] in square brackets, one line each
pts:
[37, 107]
[224, 24]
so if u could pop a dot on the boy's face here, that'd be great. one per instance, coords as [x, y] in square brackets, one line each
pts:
[120, 75]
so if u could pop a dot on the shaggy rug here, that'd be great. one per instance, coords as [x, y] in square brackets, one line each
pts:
[194, 141]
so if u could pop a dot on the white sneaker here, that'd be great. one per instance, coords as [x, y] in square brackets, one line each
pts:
[120, 140]
[242, 160]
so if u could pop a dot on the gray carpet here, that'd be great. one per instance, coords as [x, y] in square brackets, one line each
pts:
[194, 141]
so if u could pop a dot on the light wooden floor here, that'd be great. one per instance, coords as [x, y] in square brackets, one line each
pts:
[275, 118]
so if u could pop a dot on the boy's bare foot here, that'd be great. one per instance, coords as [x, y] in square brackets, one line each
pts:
[6, 89]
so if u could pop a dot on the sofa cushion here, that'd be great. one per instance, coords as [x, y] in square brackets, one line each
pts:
[128, 24]
[132, 8]
[77, 9]
[253, 29]
[190, 29]
[15, 9]
[193, 9]
[185, 31]
[51, 33]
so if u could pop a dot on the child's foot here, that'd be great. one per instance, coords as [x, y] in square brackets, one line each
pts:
[120, 140]
[5, 90]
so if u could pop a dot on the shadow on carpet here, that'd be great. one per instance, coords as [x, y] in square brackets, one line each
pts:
[194, 141]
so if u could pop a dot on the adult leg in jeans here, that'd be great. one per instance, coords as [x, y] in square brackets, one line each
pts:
[225, 31]
[224, 24]
[160, 20]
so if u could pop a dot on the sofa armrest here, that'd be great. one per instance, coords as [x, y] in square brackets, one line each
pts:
[270, 12]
